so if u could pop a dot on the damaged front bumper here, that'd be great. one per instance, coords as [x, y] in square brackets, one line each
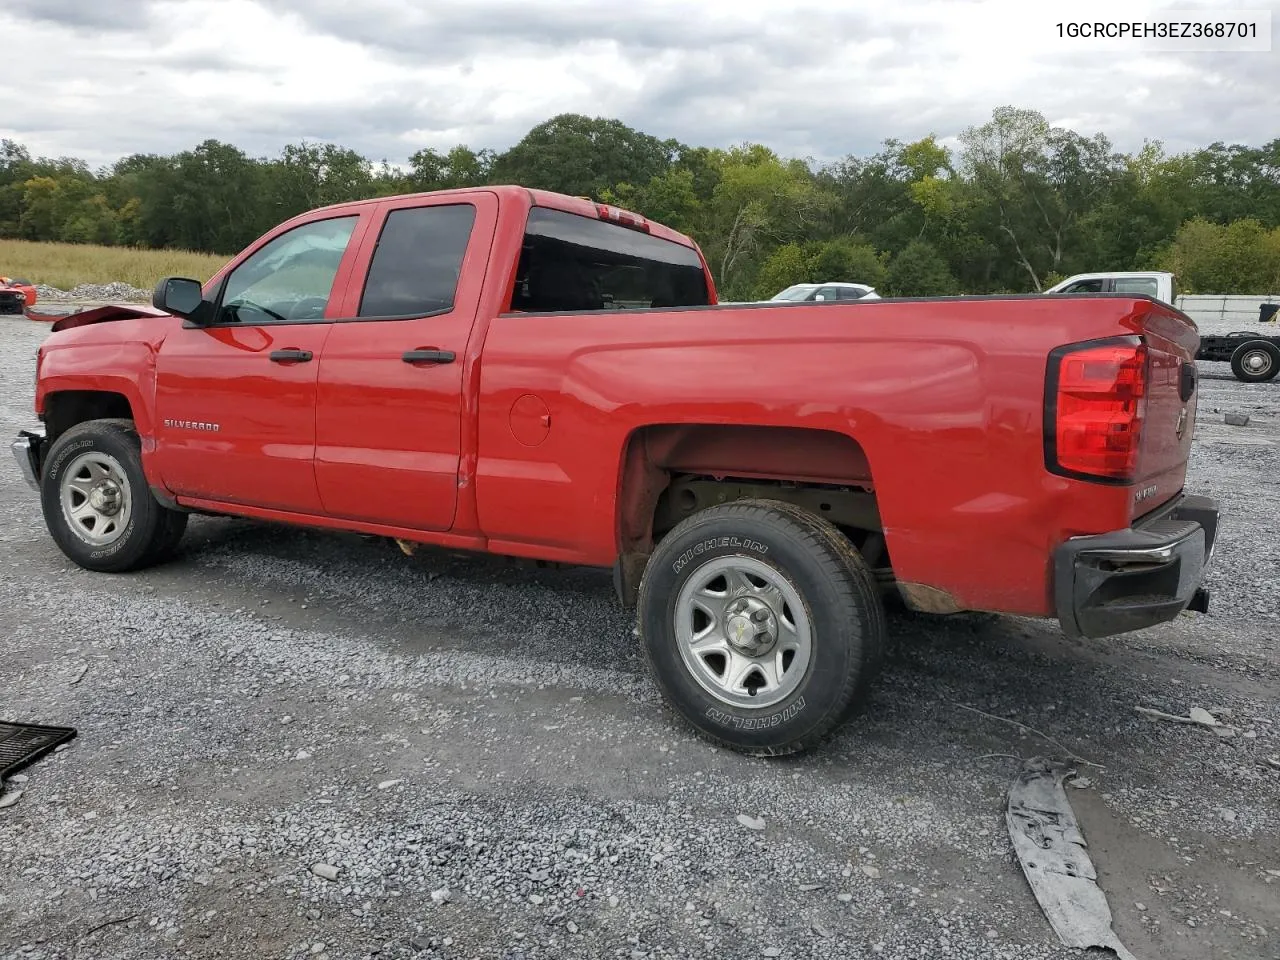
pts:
[1136, 578]
[26, 450]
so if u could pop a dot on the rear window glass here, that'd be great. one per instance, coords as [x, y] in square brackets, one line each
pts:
[571, 262]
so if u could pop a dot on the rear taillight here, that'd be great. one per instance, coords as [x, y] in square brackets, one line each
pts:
[1095, 403]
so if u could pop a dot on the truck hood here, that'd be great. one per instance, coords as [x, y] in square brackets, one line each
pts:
[105, 314]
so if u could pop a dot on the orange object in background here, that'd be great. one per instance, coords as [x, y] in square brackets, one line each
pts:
[16, 295]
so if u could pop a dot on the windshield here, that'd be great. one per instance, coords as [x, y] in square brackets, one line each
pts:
[796, 292]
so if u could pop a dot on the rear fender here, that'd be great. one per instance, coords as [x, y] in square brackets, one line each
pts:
[655, 453]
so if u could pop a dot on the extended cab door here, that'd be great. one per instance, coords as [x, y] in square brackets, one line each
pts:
[389, 410]
[236, 398]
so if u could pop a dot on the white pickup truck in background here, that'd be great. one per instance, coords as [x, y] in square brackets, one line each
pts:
[1241, 330]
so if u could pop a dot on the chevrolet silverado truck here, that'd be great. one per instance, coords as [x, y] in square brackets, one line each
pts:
[535, 375]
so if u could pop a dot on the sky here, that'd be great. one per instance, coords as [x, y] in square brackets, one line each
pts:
[101, 79]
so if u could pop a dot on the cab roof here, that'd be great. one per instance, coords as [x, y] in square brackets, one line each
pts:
[531, 197]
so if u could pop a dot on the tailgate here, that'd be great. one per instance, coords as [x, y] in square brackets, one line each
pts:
[1172, 392]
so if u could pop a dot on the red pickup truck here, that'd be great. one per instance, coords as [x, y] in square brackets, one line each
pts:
[520, 372]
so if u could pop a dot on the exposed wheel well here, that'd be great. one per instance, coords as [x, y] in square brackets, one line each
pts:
[64, 409]
[670, 471]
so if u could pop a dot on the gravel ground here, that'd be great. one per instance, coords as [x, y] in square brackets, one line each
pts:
[105, 292]
[474, 749]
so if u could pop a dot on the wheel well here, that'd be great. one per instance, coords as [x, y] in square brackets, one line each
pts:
[671, 471]
[64, 409]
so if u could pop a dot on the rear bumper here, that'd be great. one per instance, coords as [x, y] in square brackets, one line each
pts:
[1136, 578]
[26, 450]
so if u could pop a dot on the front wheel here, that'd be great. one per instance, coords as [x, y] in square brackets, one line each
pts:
[761, 625]
[1255, 361]
[96, 501]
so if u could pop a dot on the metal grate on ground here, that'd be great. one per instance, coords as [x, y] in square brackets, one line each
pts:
[24, 743]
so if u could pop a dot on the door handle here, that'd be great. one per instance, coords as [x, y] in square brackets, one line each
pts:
[290, 356]
[428, 356]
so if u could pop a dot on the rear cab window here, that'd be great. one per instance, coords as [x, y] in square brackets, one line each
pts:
[573, 262]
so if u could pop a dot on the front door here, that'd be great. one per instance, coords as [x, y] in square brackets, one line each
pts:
[236, 398]
[389, 404]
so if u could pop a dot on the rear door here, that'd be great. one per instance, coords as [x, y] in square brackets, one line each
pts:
[236, 398]
[389, 405]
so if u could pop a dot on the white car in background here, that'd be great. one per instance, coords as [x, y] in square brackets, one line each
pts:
[808, 292]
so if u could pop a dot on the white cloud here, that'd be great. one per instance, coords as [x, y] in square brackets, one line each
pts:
[100, 79]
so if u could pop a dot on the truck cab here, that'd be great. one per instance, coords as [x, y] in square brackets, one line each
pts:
[1158, 284]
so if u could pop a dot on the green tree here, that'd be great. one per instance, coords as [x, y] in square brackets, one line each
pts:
[918, 270]
[668, 198]
[16, 169]
[760, 202]
[1153, 194]
[782, 268]
[1020, 203]
[844, 259]
[1238, 182]
[1037, 182]
[93, 221]
[583, 156]
[460, 167]
[41, 208]
[309, 175]
[216, 198]
[1239, 258]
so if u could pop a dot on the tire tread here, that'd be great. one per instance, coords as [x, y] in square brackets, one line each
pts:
[166, 526]
[842, 564]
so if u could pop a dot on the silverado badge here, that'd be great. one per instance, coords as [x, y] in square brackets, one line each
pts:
[192, 425]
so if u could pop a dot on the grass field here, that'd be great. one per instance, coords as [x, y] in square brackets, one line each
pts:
[63, 265]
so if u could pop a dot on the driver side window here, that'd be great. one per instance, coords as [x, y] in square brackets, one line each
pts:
[290, 278]
[1086, 286]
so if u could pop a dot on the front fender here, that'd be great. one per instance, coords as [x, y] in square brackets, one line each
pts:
[123, 368]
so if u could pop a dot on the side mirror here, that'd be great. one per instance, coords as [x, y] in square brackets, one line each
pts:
[819, 296]
[180, 296]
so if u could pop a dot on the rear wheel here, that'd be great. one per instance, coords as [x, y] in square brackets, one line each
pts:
[761, 624]
[96, 501]
[1255, 361]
